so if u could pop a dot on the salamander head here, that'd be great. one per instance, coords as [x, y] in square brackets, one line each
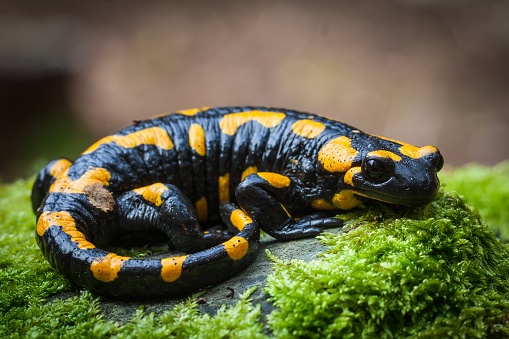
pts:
[386, 170]
[405, 180]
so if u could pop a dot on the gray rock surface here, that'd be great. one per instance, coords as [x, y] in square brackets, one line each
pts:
[229, 291]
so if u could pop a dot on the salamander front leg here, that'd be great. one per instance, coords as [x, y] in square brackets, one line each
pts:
[262, 194]
[166, 208]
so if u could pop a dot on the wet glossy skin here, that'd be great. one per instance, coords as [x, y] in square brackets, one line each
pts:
[209, 179]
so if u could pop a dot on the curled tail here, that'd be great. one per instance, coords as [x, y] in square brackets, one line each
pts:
[73, 224]
[45, 179]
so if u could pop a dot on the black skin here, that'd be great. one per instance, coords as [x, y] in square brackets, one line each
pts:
[287, 211]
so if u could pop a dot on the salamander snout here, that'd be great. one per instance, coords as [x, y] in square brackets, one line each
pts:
[436, 159]
[430, 157]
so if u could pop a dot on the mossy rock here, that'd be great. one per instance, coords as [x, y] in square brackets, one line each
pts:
[436, 271]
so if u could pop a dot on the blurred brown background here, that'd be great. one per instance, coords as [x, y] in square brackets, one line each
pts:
[426, 72]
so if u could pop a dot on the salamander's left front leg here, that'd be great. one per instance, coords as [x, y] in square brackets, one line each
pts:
[165, 207]
[262, 194]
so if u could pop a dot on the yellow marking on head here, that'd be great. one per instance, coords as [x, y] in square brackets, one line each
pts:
[224, 187]
[308, 128]
[106, 268]
[385, 154]
[240, 219]
[172, 268]
[348, 178]
[321, 204]
[247, 171]
[345, 200]
[149, 136]
[193, 111]
[197, 139]
[236, 247]
[59, 167]
[275, 179]
[417, 152]
[152, 193]
[202, 209]
[411, 151]
[337, 155]
[64, 184]
[231, 122]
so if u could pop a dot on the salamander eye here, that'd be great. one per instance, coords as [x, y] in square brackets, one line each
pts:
[377, 169]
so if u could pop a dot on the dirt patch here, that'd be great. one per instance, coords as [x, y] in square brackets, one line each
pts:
[100, 197]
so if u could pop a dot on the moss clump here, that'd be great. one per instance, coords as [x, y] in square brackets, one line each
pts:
[486, 188]
[80, 317]
[185, 321]
[432, 272]
[75, 317]
[25, 277]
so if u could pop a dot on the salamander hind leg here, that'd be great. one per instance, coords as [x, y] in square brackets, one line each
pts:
[166, 208]
[264, 195]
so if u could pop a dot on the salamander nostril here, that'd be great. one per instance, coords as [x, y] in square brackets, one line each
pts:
[406, 187]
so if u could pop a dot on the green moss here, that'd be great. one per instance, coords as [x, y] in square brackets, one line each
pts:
[75, 317]
[80, 317]
[486, 188]
[185, 321]
[25, 277]
[431, 272]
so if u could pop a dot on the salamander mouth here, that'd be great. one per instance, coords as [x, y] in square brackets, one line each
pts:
[414, 201]
[414, 193]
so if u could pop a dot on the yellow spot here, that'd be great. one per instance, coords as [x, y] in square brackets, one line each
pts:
[172, 268]
[276, 180]
[385, 154]
[247, 171]
[106, 268]
[93, 176]
[345, 200]
[321, 204]
[231, 122]
[59, 167]
[152, 193]
[337, 155]
[66, 221]
[202, 209]
[224, 187]
[236, 247]
[240, 219]
[150, 136]
[411, 151]
[197, 139]
[193, 111]
[348, 178]
[417, 152]
[308, 128]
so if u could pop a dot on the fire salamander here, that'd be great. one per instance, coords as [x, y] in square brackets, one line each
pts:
[252, 168]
